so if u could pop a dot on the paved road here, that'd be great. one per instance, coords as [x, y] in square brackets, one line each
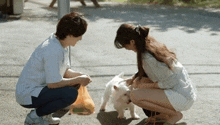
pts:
[194, 34]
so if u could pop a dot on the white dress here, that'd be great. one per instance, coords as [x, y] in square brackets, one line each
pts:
[175, 83]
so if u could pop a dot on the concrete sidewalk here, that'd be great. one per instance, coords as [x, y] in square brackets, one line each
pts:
[194, 34]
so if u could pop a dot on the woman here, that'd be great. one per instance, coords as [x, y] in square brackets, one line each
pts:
[169, 90]
[47, 83]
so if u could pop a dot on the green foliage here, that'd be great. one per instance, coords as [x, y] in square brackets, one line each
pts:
[167, 2]
[200, 3]
[193, 3]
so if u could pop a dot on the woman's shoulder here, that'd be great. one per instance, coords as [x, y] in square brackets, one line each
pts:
[147, 55]
[149, 58]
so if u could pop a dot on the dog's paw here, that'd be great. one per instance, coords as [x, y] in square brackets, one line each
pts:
[135, 116]
[102, 109]
[121, 117]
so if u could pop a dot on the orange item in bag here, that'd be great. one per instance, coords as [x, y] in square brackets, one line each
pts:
[84, 104]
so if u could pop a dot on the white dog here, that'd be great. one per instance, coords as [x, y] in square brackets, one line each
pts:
[119, 91]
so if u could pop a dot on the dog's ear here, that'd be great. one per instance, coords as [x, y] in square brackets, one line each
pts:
[121, 75]
[115, 87]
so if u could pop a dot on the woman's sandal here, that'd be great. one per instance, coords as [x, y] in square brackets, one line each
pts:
[153, 121]
[182, 123]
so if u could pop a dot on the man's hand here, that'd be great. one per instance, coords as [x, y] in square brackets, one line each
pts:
[84, 80]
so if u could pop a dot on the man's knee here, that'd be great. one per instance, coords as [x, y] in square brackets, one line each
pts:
[71, 94]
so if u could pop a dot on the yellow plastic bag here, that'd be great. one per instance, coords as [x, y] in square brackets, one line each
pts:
[84, 104]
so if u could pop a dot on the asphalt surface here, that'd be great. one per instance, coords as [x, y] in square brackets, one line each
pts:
[192, 33]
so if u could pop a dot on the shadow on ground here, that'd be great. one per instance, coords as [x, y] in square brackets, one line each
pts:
[162, 17]
[105, 118]
[189, 20]
[109, 118]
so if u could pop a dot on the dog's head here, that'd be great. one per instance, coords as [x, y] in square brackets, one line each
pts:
[122, 91]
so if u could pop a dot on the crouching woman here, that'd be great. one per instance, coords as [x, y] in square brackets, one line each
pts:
[168, 89]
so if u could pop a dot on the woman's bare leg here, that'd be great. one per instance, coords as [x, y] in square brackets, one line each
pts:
[52, 3]
[162, 116]
[155, 100]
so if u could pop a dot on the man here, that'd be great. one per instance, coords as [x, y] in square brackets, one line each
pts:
[47, 83]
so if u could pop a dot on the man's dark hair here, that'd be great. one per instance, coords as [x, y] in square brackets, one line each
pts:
[71, 24]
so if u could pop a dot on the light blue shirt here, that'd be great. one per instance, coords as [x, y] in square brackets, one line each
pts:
[47, 64]
[176, 79]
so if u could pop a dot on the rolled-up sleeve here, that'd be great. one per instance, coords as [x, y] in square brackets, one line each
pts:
[52, 68]
[169, 82]
[159, 72]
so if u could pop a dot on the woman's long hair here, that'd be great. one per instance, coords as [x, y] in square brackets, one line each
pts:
[144, 43]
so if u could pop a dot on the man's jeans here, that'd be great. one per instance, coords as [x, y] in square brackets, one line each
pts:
[51, 100]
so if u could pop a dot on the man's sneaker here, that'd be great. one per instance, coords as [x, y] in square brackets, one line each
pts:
[50, 119]
[34, 121]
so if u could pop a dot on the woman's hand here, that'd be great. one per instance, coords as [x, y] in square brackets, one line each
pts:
[145, 80]
[136, 82]
[84, 80]
[129, 81]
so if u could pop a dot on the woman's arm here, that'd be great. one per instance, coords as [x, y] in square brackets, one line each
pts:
[145, 83]
[148, 85]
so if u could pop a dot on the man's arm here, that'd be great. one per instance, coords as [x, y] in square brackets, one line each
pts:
[71, 74]
[83, 80]
[64, 83]
[71, 78]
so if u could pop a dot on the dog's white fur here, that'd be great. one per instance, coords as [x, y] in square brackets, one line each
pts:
[120, 95]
